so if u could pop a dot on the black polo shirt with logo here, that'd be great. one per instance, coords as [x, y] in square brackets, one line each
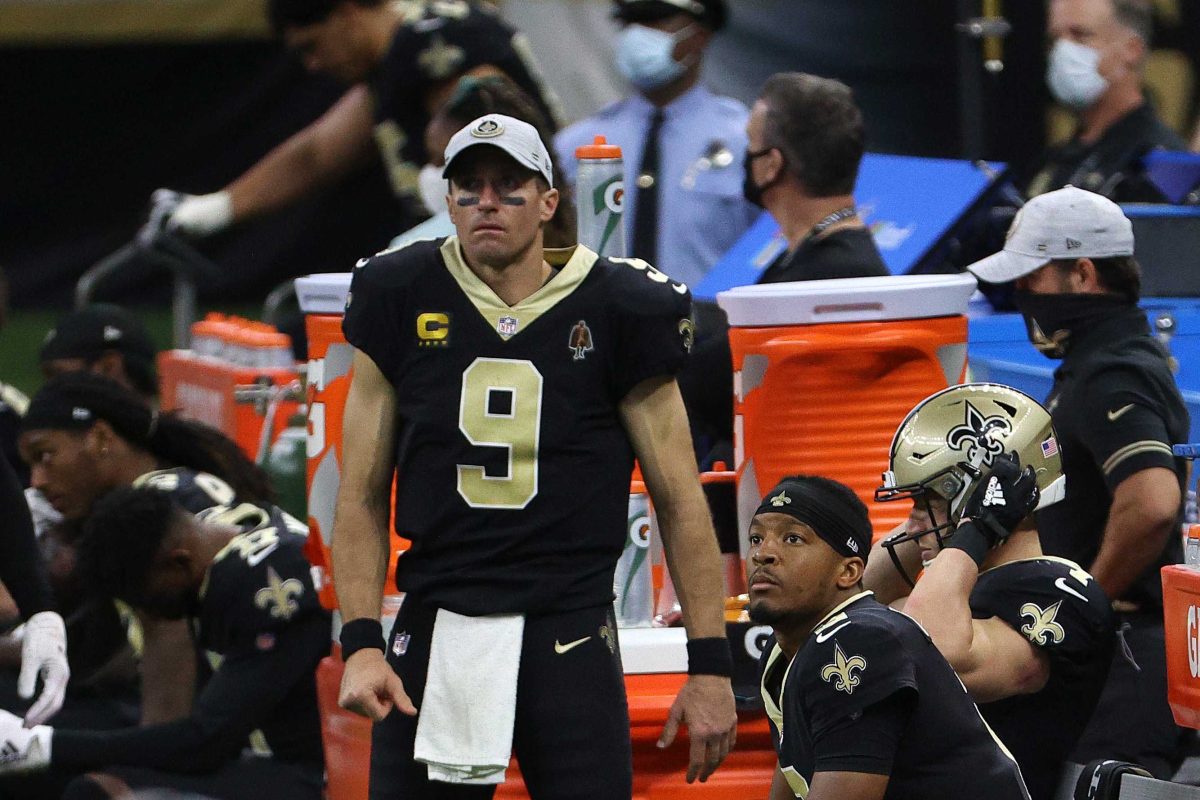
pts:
[1117, 411]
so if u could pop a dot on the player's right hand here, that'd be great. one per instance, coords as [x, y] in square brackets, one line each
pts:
[192, 214]
[370, 687]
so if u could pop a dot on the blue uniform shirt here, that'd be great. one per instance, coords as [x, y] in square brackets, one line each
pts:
[701, 208]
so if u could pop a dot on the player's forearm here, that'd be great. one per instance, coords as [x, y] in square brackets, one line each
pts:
[940, 603]
[360, 554]
[282, 177]
[1132, 542]
[694, 560]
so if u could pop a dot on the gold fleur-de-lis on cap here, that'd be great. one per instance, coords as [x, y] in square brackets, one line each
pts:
[781, 499]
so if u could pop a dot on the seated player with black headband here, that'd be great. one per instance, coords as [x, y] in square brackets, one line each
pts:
[870, 707]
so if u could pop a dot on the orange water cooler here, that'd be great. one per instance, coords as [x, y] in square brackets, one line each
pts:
[825, 371]
[654, 659]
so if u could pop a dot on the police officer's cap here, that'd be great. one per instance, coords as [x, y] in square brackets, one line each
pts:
[710, 13]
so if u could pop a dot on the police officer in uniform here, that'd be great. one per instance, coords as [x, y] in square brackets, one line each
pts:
[1117, 412]
[1030, 635]
[508, 389]
[682, 145]
[862, 705]
[239, 575]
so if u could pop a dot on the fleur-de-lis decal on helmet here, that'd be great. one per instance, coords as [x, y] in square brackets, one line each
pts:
[978, 436]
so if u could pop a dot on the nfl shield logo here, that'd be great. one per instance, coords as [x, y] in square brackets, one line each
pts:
[507, 325]
[400, 643]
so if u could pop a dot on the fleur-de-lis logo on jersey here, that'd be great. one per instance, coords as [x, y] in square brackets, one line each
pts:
[606, 633]
[978, 436]
[842, 669]
[278, 596]
[1042, 625]
[780, 500]
[440, 60]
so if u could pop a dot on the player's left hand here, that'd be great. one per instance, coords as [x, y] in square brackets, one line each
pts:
[44, 654]
[705, 705]
[23, 749]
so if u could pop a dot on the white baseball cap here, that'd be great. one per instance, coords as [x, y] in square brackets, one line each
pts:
[519, 139]
[1066, 223]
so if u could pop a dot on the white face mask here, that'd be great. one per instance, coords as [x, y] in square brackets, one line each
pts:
[433, 188]
[1072, 74]
[645, 56]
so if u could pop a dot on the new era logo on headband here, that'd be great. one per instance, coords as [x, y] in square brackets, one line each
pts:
[80, 413]
[111, 333]
[853, 545]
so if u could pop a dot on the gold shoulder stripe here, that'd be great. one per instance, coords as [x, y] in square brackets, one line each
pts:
[1134, 449]
[576, 263]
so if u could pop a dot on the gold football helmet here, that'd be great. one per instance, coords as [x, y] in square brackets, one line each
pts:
[948, 443]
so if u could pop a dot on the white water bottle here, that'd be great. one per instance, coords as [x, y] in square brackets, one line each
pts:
[600, 196]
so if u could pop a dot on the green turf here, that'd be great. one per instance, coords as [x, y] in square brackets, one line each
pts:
[22, 337]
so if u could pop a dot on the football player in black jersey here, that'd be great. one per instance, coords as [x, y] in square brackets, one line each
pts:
[402, 61]
[1031, 636]
[84, 435]
[509, 390]
[238, 574]
[862, 706]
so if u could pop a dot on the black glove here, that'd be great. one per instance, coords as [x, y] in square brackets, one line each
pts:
[996, 507]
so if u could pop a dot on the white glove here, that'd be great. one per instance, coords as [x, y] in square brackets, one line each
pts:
[45, 516]
[44, 653]
[198, 214]
[23, 749]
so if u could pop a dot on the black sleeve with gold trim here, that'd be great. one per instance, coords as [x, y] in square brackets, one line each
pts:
[258, 585]
[1131, 422]
[1053, 603]
[376, 307]
[654, 325]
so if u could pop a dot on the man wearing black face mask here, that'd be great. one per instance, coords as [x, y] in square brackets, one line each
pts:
[805, 142]
[805, 139]
[1117, 411]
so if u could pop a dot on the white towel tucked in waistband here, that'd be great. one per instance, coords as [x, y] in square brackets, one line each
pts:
[465, 724]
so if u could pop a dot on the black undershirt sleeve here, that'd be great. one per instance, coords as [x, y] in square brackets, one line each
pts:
[866, 742]
[21, 567]
[234, 702]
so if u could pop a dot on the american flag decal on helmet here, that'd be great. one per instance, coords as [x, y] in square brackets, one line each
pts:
[1049, 447]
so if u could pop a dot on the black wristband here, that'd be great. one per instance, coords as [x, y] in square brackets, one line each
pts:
[710, 656]
[971, 540]
[361, 634]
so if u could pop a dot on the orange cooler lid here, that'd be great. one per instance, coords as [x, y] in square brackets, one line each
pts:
[891, 297]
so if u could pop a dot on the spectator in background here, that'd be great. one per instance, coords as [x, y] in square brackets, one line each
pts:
[1117, 412]
[401, 60]
[473, 98]
[1095, 70]
[239, 577]
[106, 340]
[681, 143]
[805, 141]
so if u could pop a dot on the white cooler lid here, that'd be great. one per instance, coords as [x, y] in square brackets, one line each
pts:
[847, 300]
[323, 293]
